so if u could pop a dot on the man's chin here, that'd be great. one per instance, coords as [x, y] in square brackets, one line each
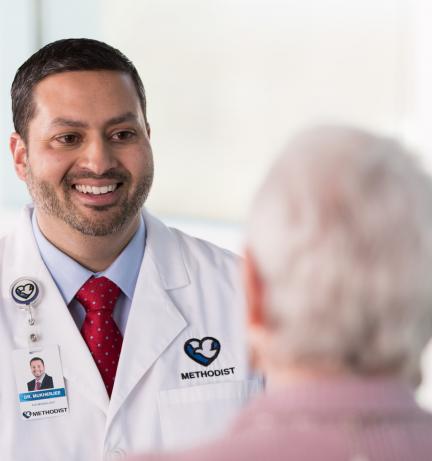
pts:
[98, 224]
[90, 219]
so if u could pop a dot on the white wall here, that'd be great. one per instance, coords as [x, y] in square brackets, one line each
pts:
[421, 83]
[18, 39]
[229, 80]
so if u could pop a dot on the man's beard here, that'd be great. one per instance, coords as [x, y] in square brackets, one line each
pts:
[48, 201]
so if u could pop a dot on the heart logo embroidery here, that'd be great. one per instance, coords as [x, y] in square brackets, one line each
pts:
[27, 414]
[203, 351]
[25, 291]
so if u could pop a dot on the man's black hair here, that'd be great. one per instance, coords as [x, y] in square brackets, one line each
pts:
[36, 358]
[72, 54]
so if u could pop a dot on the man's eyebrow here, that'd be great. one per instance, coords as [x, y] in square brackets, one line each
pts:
[126, 117]
[60, 121]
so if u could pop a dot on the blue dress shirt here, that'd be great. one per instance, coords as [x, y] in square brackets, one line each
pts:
[69, 275]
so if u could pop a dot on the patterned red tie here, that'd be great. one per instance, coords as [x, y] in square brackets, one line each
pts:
[98, 297]
[37, 386]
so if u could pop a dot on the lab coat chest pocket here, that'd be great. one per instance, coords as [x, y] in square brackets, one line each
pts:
[192, 415]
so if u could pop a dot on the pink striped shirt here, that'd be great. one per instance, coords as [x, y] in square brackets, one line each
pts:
[335, 420]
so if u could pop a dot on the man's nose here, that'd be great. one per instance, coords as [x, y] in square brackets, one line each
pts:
[98, 157]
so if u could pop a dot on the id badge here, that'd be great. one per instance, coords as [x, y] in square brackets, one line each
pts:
[40, 383]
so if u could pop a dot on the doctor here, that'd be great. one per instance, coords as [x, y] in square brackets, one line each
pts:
[42, 380]
[147, 320]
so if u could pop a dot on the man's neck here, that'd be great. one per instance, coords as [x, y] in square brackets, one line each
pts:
[94, 253]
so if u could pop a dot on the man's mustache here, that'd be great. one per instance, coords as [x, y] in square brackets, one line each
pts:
[119, 176]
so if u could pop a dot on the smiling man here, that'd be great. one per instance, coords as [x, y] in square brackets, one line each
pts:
[119, 293]
[86, 158]
[42, 380]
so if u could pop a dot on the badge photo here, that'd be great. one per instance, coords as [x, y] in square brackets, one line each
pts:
[40, 383]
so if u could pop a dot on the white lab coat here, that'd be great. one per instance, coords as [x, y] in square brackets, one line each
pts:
[187, 288]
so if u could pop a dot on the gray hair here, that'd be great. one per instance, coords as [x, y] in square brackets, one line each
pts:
[341, 232]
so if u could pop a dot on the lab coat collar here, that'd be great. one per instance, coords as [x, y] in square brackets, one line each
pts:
[154, 321]
[165, 251]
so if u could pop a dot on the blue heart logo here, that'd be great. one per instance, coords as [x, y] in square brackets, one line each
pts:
[25, 291]
[203, 351]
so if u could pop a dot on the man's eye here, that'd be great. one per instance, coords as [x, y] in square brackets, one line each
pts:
[123, 135]
[67, 139]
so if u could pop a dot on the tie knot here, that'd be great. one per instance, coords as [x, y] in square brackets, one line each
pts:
[98, 294]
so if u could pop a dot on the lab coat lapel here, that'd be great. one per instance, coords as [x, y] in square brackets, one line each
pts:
[154, 321]
[55, 322]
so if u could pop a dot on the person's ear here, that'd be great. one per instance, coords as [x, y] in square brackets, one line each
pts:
[256, 321]
[19, 153]
[148, 129]
[254, 292]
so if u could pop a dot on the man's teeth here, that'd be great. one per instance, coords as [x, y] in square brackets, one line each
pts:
[95, 190]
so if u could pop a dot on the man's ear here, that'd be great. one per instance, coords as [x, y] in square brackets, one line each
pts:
[254, 292]
[19, 153]
[148, 129]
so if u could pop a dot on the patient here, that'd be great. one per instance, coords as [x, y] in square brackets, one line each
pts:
[338, 275]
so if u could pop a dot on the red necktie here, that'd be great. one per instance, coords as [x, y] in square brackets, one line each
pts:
[98, 297]
[37, 386]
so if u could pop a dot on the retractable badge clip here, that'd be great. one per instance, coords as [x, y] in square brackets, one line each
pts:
[26, 294]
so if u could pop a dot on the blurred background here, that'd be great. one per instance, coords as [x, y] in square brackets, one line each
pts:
[228, 81]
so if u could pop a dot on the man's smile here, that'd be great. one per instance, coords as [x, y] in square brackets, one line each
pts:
[96, 190]
[92, 192]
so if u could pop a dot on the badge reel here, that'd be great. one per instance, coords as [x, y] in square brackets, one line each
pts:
[26, 294]
[50, 398]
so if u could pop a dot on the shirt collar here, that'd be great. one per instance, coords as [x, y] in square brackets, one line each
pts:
[69, 275]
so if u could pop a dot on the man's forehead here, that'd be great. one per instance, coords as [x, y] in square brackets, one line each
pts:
[73, 98]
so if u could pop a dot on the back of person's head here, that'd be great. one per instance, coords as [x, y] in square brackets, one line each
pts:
[67, 55]
[341, 237]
